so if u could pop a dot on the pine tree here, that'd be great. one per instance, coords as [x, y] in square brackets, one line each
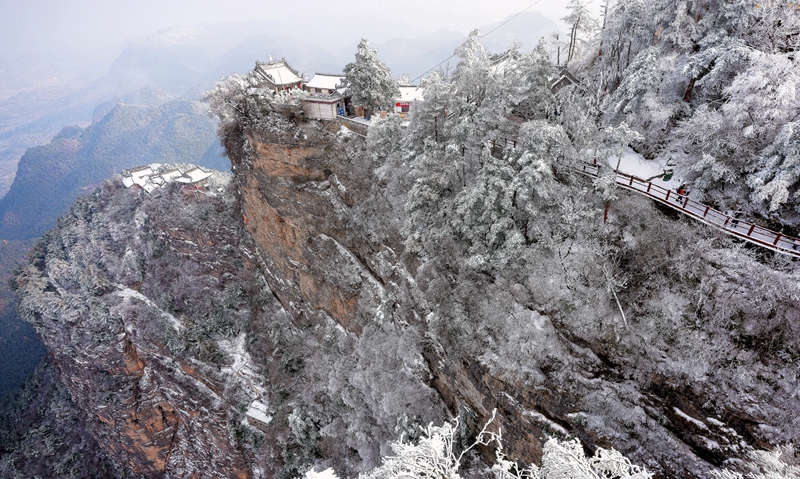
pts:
[369, 81]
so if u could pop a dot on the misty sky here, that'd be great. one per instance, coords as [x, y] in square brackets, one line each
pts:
[46, 41]
[70, 24]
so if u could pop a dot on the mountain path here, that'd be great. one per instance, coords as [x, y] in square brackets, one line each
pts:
[728, 224]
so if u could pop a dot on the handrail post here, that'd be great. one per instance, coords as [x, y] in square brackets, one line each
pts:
[727, 218]
[750, 231]
[668, 193]
[706, 211]
[649, 184]
[774, 243]
[685, 201]
[630, 183]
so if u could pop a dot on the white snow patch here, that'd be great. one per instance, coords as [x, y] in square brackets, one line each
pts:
[539, 417]
[242, 367]
[259, 411]
[692, 420]
[710, 444]
[126, 293]
[634, 164]
[326, 474]
[715, 422]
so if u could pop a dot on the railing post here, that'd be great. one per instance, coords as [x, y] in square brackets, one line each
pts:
[685, 201]
[668, 193]
[727, 218]
[706, 211]
[774, 243]
[630, 183]
[750, 231]
[649, 184]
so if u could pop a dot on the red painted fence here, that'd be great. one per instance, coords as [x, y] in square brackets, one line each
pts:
[741, 229]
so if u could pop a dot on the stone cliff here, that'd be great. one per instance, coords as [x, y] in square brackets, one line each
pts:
[165, 315]
[328, 234]
[126, 293]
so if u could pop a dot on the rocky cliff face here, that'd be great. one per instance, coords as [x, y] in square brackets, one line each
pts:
[327, 228]
[165, 315]
[134, 297]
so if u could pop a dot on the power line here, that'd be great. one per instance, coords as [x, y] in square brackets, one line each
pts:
[484, 36]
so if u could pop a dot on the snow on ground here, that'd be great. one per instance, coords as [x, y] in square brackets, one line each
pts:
[542, 419]
[326, 474]
[690, 419]
[242, 367]
[634, 164]
[126, 293]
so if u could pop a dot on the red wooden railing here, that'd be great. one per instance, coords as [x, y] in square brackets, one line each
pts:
[741, 229]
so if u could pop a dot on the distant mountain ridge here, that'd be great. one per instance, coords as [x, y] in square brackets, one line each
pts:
[528, 28]
[79, 158]
[185, 61]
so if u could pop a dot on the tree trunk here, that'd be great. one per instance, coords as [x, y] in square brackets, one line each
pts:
[689, 89]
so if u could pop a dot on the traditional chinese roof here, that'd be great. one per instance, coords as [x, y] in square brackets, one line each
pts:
[140, 171]
[564, 78]
[258, 411]
[194, 175]
[279, 72]
[325, 81]
[151, 177]
[330, 98]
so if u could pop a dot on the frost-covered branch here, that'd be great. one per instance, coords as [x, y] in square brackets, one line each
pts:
[434, 457]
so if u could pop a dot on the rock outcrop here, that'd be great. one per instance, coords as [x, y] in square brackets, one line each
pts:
[132, 293]
[329, 238]
[165, 315]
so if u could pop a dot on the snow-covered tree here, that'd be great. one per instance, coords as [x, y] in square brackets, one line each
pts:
[780, 463]
[778, 171]
[436, 455]
[369, 80]
[240, 98]
[428, 117]
[582, 25]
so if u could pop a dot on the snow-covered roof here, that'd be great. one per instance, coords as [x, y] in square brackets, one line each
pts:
[327, 99]
[565, 78]
[280, 73]
[170, 175]
[193, 176]
[410, 93]
[154, 176]
[258, 411]
[140, 171]
[325, 81]
[141, 180]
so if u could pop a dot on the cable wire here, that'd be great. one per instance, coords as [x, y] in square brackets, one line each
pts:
[483, 36]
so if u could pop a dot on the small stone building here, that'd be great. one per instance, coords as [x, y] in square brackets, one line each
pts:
[324, 100]
[258, 415]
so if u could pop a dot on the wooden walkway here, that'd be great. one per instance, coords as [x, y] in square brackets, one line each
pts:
[750, 232]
